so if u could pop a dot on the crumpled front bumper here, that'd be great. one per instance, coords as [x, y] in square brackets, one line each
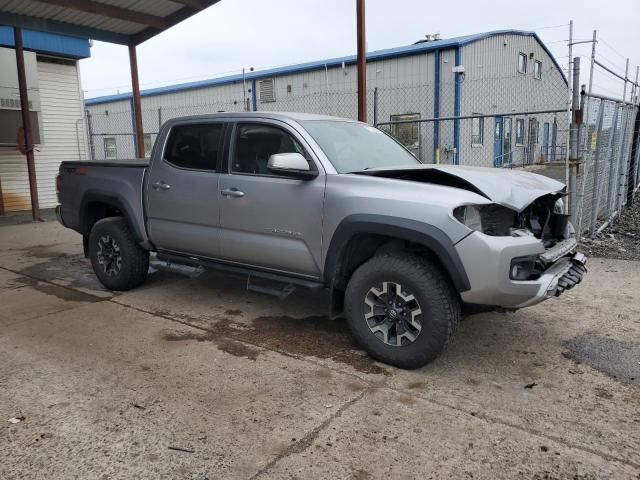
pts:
[487, 262]
[563, 275]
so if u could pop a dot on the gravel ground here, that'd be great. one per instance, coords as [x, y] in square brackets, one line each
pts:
[620, 240]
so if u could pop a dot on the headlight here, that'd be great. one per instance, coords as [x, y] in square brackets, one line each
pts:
[470, 216]
[491, 219]
[558, 207]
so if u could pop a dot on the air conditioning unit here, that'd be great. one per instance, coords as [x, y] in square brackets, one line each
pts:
[10, 112]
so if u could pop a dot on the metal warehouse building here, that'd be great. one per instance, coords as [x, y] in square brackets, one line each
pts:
[505, 75]
[56, 109]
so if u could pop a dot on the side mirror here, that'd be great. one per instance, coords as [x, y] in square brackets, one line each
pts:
[291, 165]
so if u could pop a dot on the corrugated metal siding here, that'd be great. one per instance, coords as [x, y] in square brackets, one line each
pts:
[63, 138]
[492, 84]
[161, 8]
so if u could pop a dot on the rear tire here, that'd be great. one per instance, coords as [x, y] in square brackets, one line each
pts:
[402, 309]
[117, 259]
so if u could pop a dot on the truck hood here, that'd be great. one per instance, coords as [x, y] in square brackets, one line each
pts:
[514, 189]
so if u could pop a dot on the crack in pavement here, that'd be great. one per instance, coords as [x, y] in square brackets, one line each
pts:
[306, 441]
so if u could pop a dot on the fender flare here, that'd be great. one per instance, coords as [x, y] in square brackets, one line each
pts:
[116, 200]
[404, 229]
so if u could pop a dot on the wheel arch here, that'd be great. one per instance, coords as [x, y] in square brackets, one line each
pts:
[425, 235]
[96, 205]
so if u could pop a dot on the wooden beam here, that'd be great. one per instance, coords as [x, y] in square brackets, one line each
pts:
[111, 11]
[171, 20]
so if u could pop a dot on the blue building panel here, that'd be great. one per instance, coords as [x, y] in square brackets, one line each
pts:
[49, 43]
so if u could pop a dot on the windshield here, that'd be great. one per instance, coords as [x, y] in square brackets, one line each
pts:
[353, 147]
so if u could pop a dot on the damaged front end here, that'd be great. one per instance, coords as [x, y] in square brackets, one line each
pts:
[551, 264]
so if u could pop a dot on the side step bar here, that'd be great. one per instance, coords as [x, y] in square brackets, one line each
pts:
[268, 283]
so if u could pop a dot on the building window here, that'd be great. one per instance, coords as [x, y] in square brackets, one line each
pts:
[408, 134]
[148, 145]
[110, 148]
[267, 91]
[537, 69]
[520, 131]
[522, 63]
[477, 131]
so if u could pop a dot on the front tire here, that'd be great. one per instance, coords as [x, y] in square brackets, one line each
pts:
[117, 259]
[402, 309]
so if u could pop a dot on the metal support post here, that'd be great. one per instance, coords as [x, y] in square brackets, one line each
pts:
[574, 134]
[26, 125]
[92, 146]
[596, 171]
[626, 116]
[362, 61]
[137, 103]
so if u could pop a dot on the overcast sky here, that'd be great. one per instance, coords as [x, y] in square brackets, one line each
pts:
[257, 33]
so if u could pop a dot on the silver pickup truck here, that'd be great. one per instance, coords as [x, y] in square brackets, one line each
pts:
[297, 199]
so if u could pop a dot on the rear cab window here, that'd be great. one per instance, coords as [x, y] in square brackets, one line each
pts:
[195, 146]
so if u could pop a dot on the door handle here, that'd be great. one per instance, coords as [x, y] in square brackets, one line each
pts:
[232, 192]
[161, 186]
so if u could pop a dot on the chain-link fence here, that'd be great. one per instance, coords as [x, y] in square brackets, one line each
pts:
[610, 171]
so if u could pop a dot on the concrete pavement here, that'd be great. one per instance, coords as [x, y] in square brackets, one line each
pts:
[198, 378]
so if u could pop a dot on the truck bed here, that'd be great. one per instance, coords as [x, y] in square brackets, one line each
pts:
[118, 182]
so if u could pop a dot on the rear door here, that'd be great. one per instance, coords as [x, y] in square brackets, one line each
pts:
[270, 221]
[182, 190]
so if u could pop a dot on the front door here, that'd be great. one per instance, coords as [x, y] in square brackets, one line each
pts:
[498, 143]
[506, 144]
[182, 191]
[269, 221]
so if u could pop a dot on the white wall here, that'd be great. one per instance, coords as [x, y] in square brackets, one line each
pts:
[63, 137]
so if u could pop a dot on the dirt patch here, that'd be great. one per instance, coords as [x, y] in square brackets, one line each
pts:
[614, 358]
[233, 311]
[620, 240]
[63, 293]
[233, 347]
[42, 251]
[314, 336]
[74, 269]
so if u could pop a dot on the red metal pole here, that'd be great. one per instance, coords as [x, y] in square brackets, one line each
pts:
[362, 62]
[26, 124]
[137, 103]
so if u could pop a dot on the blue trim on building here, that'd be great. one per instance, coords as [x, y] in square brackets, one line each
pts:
[254, 95]
[321, 65]
[49, 43]
[436, 103]
[56, 27]
[133, 129]
[456, 105]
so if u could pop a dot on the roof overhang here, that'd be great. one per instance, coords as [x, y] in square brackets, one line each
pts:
[127, 22]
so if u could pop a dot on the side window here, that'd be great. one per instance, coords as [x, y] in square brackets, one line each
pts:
[194, 146]
[148, 145]
[522, 63]
[110, 148]
[256, 142]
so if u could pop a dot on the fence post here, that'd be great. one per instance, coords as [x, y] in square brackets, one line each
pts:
[574, 135]
[596, 170]
[570, 104]
[626, 113]
[632, 179]
[375, 106]
[92, 147]
[612, 164]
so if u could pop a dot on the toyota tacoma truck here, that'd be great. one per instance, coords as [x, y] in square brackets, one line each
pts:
[294, 199]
